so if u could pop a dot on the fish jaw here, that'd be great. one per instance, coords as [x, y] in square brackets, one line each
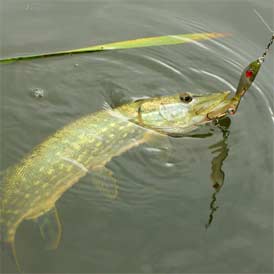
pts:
[170, 115]
[228, 107]
[210, 102]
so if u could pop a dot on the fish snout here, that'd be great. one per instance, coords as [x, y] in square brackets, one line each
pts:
[210, 102]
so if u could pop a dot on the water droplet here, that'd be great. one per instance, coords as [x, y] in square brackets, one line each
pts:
[169, 164]
[38, 93]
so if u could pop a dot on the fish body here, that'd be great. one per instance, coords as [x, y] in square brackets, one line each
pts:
[31, 188]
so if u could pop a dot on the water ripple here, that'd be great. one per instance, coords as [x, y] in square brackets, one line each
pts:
[167, 70]
[222, 80]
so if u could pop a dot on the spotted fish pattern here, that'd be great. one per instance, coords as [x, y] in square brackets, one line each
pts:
[32, 187]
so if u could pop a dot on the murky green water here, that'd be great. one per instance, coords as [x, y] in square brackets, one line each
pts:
[157, 223]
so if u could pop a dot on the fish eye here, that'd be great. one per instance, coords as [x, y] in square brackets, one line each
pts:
[185, 97]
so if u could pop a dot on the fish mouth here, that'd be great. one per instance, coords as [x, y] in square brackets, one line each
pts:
[211, 102]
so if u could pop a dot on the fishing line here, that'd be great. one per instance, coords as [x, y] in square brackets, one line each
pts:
[263, 21]
[267, 48]
[270, 30]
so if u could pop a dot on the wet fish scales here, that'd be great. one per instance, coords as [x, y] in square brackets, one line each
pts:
[35, 184]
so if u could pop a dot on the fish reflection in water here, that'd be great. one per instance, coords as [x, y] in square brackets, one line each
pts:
[220, 149]
[217, 173]
[31, 188]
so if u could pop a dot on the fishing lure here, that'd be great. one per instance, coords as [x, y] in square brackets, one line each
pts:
[247, 78]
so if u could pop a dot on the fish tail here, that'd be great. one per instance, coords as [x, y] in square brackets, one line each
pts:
[8, 250]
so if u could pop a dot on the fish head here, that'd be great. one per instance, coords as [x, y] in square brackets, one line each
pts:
[177, 114]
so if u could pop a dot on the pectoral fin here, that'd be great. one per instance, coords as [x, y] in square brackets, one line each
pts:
[50, 228]
[159, 145]
[105, 182]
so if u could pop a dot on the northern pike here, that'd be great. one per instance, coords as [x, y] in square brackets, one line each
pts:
[31, 188]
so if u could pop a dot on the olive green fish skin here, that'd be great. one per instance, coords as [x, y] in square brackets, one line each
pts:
[31, 188]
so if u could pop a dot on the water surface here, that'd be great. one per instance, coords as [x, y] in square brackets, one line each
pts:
[157, 223]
